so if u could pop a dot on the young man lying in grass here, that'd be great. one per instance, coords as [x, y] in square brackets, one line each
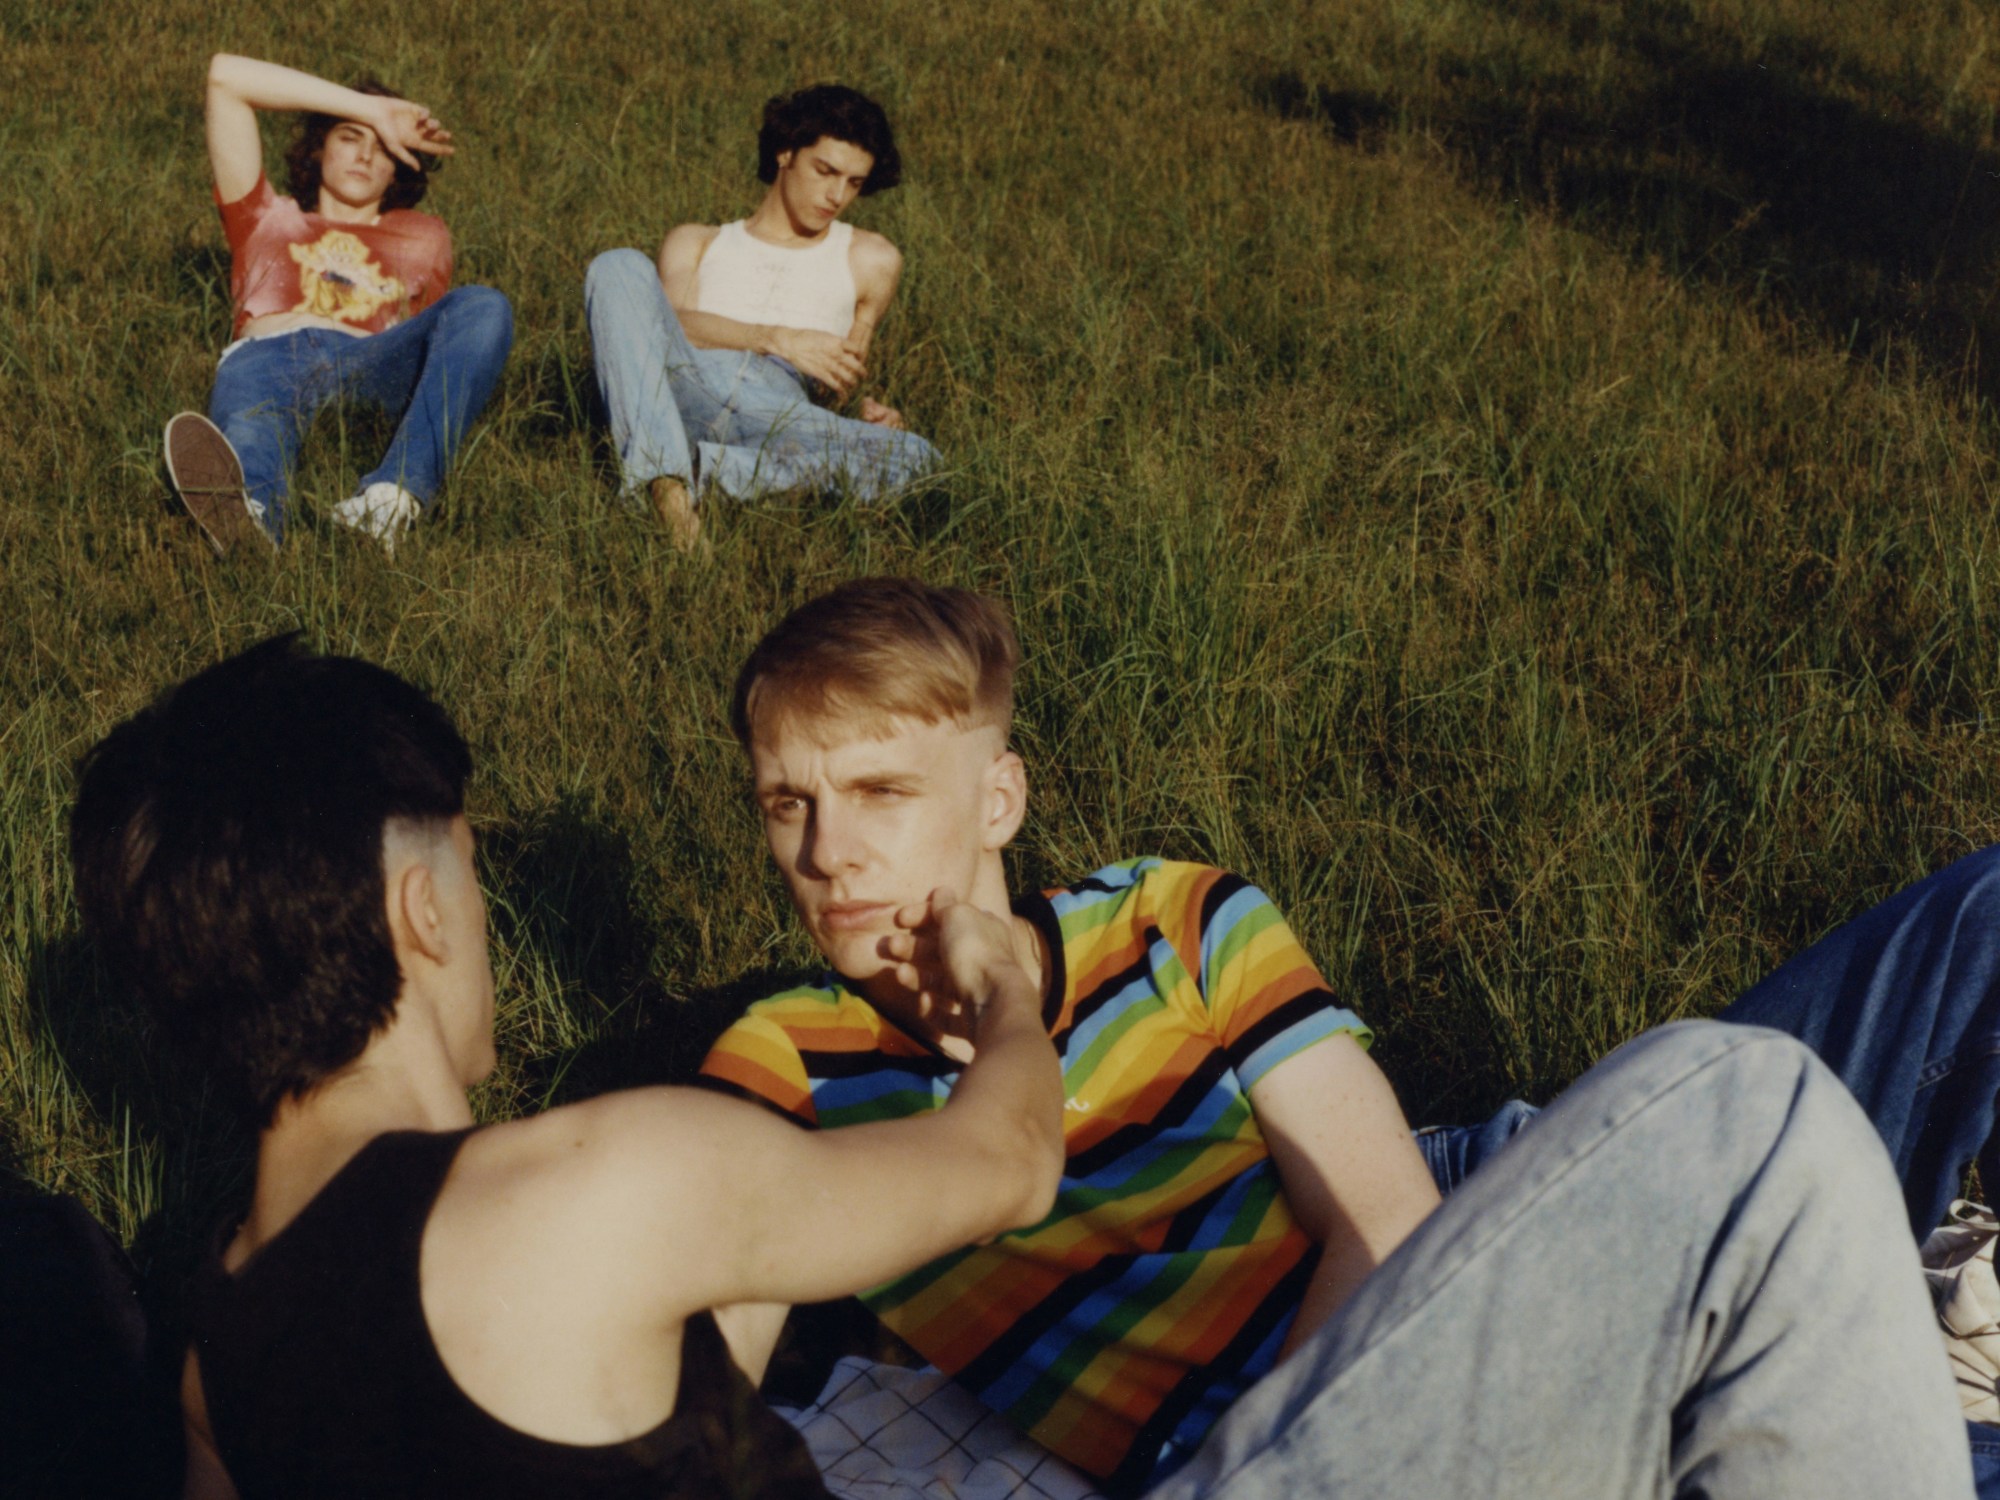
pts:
[274, 858]
[1248, 1284]
[749, 335]
[339, 290]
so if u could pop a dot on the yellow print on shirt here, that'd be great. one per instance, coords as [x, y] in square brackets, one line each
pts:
[338, 279]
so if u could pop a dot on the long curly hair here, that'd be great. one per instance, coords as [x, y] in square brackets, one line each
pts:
[302, 158]
[831, 110]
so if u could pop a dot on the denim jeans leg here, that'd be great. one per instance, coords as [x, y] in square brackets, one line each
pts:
[1455, 1152]
[635, 343]
[263, 400]
[1688, 1278]
[438, 369]
[778, 440]
[1903, 1003]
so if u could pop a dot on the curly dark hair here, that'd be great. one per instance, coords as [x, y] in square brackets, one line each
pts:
[302, 158]
[227, 843]
[829, 110]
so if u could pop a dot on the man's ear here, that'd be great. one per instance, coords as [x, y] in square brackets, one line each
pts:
[1006, 795]
[416, 921]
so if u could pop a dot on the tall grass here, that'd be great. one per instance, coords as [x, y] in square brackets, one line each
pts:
[1514, 480]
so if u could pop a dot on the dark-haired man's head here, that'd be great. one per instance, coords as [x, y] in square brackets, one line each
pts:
[348, 160]
[829, 116]
[230, 843]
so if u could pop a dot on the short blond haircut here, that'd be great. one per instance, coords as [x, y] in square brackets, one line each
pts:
[882, 648]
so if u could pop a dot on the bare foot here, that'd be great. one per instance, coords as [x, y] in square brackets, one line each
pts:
[675, 507]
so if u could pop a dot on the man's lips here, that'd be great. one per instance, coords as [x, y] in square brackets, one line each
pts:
[854, 916]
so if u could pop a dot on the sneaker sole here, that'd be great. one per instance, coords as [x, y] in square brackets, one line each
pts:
[207, 478]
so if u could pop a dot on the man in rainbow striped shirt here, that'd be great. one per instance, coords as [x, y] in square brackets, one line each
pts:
[1237, 1167]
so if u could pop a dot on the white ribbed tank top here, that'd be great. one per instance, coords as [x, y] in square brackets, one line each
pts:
[741, 277]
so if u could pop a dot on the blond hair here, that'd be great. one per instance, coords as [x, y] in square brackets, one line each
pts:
[882, 647]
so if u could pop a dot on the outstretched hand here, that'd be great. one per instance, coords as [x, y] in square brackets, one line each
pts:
[406, 128]
[951, 954]
[880, 414]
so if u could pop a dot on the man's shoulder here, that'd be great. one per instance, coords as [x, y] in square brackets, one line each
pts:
[873, 256]
[868, 243]
[1144, 876]
[690, 237]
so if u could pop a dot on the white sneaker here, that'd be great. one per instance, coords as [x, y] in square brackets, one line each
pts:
[383, 511]
[1958, 1264]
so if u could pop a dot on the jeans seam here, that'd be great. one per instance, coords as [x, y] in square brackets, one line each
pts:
[1935, 1072]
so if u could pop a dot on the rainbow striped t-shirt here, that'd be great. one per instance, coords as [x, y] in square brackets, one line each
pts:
[1160, 1287]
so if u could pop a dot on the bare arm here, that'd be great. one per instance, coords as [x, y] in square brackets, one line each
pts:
[1351, 1171]
[751, 1330]
[240, 86]
[709, 1202]
[825, 358]
[878, 268]
[808, 1215]
[205, 1478]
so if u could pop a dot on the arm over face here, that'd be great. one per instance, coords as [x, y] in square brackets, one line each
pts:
[1351, 1170]
[240, 86]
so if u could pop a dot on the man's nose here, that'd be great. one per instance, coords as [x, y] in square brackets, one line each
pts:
[833, 843]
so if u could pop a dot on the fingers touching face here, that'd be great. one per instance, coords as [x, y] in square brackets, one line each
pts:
[865, 825]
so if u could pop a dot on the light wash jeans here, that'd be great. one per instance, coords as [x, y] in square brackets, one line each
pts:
[1502, 1314]
[756, 429]
[1690, 1277]
[1903, 1003]
[437, 369]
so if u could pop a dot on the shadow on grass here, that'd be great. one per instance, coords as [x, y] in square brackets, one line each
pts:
[570, 896]
[1852, 209]
[151, 1097]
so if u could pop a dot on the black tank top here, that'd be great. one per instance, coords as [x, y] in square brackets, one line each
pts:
[321, 1378]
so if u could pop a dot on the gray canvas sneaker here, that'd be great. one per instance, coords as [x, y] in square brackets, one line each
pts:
[208, 480]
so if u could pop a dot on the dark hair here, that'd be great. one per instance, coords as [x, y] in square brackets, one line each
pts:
[829, 109]
[302, 158]
[227, 842]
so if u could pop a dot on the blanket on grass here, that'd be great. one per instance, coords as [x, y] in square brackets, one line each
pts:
[881, 1432]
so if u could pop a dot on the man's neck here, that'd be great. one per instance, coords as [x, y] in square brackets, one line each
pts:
[334, 211]
[311, 1138]
[771, 223]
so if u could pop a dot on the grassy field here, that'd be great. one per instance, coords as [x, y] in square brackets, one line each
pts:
[1515, 480]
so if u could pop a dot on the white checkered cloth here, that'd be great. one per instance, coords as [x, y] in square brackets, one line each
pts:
[880, 1432]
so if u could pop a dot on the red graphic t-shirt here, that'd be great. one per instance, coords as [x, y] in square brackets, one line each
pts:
[368, 276]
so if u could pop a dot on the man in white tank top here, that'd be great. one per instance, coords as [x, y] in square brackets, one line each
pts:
[720, 364]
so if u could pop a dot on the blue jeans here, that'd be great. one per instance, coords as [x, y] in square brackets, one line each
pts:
[755, 428]
[437, 369]
[1689, 1277]
[1903, 1005]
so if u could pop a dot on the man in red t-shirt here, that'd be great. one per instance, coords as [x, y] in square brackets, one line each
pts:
[341, 289]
